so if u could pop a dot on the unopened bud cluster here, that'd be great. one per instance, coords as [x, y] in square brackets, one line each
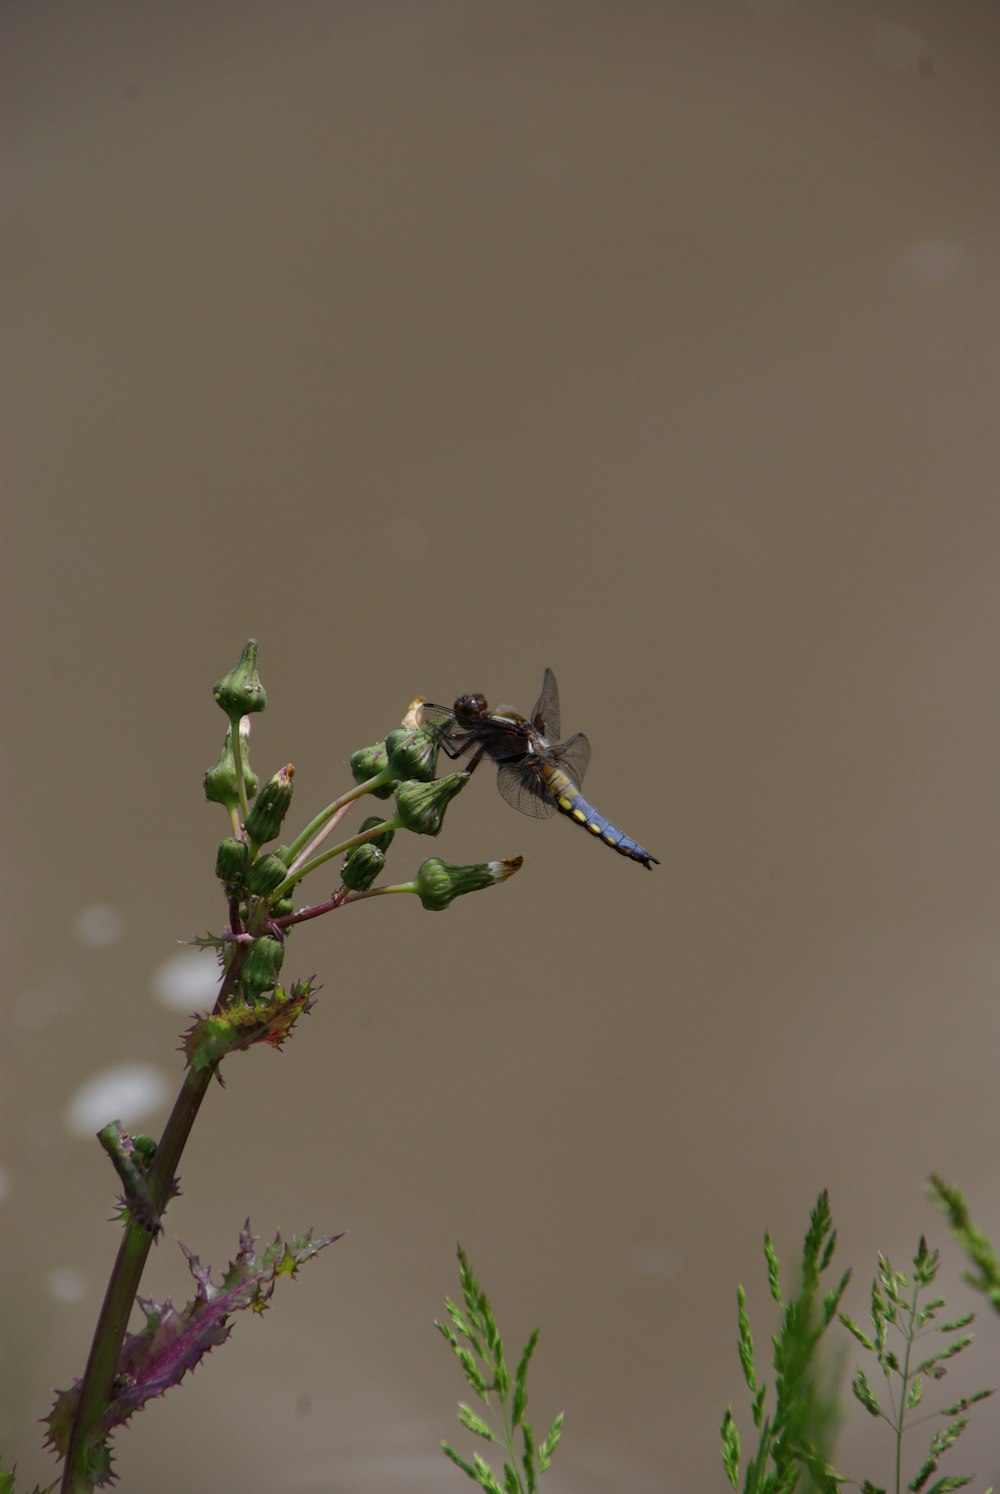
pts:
[259, 877]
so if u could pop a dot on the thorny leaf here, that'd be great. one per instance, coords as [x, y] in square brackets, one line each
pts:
[173, 1342]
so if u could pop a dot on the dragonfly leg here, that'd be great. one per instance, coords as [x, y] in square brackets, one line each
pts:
[455, 750]
[476, 759]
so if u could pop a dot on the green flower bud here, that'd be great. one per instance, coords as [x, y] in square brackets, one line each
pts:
[266, 873]
[145, 1146]
[240, 692]
[382, 841]
[220, 781]
[367, 762]
[270, 806]
[231, 861]
[282, 908]
[437, 884]
[261, 966]
[421, 806]
[362, 866]
[413, 753]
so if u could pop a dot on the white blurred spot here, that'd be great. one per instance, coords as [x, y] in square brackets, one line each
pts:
[99, 925]
[187, 981]
[932, 261]
[4, 1183]
[899, 46]
[127, 1092]
[66, 1284]
[649, 1261]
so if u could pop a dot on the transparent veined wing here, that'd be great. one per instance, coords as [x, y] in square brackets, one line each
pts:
[545, 715]
[423, 713]
[522, 789]
[441, 720]
[573, 755]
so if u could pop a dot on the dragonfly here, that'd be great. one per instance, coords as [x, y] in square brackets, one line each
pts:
[536, 773]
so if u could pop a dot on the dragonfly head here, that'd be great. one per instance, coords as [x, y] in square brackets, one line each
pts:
[471, 707]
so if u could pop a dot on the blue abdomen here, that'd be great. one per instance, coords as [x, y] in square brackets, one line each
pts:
[570, 801]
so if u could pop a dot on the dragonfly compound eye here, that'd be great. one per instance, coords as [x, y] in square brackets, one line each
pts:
[471, 706]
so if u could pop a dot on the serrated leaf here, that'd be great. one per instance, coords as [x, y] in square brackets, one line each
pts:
[173, 1342]
[242, 1024]
[7, 1483]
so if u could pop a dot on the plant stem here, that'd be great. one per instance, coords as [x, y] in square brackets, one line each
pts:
[303, 869]
[904, 1393]
[305, 844]
[97, 1386]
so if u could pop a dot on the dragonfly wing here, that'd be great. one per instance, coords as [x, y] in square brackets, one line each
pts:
[573, 755]
[522, 789]
[426, 714]
[545, 716]
[454, 740]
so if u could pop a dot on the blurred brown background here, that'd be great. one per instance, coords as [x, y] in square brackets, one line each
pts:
[432, 343]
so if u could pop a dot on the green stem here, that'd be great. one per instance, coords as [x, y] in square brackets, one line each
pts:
[307, 841]
[97, 1386]
[508, 1433]
[241, 783]
[299, 872]
[904, 1394]
[339, 900]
